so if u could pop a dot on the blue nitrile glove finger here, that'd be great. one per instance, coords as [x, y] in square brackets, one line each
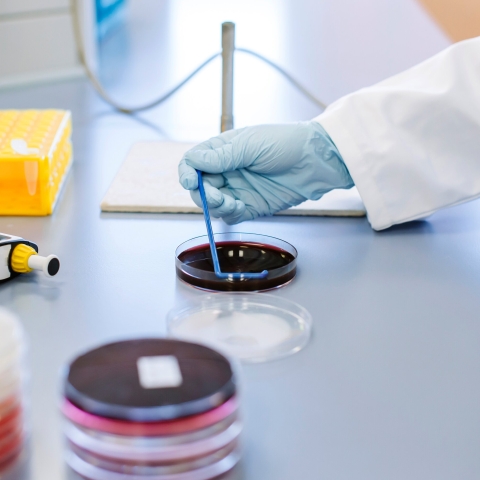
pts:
[231, 210]
[187, 175]
[266, 169]
[217, 181]
[212, 184]
[219, 205]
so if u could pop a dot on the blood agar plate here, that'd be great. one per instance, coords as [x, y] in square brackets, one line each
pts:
[151, 408]
[141, 450]
[168, 446]
[149, 380]
[237, 253]
[147, 429]
[250, 327]
[12, 376]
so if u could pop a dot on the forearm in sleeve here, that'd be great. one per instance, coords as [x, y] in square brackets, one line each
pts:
[412, 142]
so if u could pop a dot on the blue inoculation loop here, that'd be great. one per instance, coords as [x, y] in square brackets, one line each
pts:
[213, 247]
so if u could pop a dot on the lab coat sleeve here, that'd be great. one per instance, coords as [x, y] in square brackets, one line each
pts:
[412, 142]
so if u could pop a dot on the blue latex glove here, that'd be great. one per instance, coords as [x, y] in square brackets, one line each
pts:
[258, 171]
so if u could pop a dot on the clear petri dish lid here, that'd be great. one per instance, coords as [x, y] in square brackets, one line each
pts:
[11, 335]
[202, 469]
[12, 359]
[150, 449]
[250, 327]
[148, 469]
[13, 375]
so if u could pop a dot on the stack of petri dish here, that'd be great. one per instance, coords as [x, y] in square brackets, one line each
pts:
[155, 408]
[12, 349]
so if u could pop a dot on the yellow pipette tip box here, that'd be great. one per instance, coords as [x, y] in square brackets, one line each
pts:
[35, 156]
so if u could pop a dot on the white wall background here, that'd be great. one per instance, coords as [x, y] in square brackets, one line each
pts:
[36, 42]
[333, 47]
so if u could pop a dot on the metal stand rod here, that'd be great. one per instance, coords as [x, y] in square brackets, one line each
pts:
[228, 48]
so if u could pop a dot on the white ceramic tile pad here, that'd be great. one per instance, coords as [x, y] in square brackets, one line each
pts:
[148, 182]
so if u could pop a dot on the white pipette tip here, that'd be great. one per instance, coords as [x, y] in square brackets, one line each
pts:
[19, 145]
[49, 265]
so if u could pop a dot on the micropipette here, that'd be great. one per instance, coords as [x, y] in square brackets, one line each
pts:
[18, 255]
[213, 247]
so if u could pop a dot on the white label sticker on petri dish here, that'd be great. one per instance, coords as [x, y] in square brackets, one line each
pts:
[159, 372]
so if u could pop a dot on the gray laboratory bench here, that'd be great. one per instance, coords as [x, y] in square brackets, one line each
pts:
[388, 387]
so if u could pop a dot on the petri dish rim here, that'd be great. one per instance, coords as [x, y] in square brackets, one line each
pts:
[208, 472]
[302, 329]
[194, 276]
[145, 470]
[146, 429]
[168, 441]
[153, 453]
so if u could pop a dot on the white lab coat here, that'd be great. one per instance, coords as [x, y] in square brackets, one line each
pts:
[412, 142]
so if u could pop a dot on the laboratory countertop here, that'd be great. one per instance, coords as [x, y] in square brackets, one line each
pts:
[387, 388]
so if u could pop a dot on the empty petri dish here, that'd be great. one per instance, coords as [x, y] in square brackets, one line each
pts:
[149, 380]
[239, 253]
[250, 327]
[154, 468]
[205, 468]
[152, 449]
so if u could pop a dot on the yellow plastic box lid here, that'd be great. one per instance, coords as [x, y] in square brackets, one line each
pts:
[35, 156]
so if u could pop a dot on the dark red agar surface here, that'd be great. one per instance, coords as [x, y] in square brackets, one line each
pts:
[105, 382]
[241, 257]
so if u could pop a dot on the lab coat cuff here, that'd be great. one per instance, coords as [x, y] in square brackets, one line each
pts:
[338, 126]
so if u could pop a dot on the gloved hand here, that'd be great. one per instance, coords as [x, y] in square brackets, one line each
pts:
[258, 171]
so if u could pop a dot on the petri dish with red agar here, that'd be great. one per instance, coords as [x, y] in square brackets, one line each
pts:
[12, 377]
[239, 253]
[248, 326]
[110, 380]
[158, 408]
